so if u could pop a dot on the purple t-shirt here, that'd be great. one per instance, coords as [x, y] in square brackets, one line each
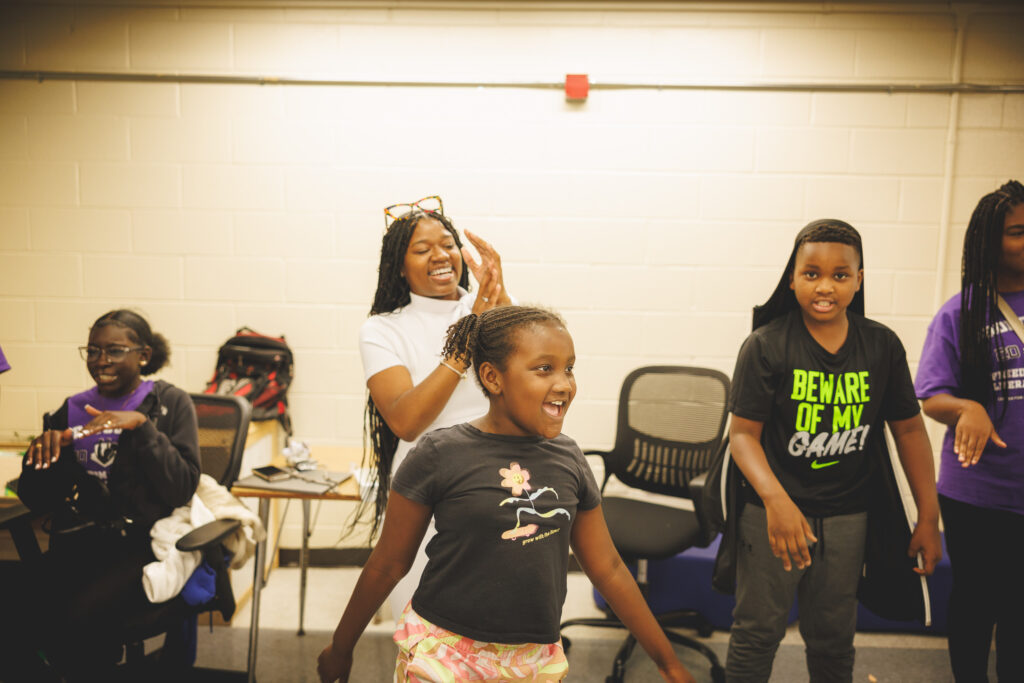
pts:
[97, 452]
[997, 481]
[4, 365]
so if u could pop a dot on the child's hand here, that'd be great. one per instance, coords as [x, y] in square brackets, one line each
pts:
[973, 430]
[788, 533]
[926, 542]
[676, 673]
[333, 666]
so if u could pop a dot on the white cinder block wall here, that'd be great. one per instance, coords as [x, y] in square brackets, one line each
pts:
[653, 219]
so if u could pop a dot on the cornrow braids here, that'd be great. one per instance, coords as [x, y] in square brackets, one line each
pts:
[979, 308]
[491, 336]
[141, 333]
[392, 293]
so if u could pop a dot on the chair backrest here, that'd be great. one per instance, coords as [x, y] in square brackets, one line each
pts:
[671, 424]
[223, 428]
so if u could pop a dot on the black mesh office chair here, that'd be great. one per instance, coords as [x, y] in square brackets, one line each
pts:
[671, 423]
[223, 426]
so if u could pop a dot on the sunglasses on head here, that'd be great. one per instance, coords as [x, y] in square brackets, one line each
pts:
[431, 204]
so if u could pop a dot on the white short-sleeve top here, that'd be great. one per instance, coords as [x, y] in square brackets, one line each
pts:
[413, 336]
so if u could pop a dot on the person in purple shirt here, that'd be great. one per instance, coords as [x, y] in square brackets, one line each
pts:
[127, 451]
[971, 378]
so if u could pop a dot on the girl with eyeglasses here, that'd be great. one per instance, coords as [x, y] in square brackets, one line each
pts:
[128, 450]
[422, 288]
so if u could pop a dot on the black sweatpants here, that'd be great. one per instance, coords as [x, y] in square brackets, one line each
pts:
[986, 550]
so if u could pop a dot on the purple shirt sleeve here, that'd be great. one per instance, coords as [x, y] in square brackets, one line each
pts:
[4, 365]
[939, 370]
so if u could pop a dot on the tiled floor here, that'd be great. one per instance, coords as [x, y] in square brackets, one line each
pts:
[285, 657]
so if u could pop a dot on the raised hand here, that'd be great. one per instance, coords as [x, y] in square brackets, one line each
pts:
[489, 292]
[489, 264]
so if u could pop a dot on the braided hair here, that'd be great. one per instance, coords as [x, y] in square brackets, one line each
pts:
[140, 332]
[783, 300]
[488, 337]
[392, 289]
[979, 308]
[393, 293]
[491, 336]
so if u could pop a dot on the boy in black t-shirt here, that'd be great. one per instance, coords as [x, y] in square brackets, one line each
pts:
[813, 385]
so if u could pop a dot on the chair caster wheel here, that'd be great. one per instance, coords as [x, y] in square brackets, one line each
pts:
[705, 630]
[717, 674]
[566, 644]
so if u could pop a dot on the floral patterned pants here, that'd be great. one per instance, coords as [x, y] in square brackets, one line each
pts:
[431, 654]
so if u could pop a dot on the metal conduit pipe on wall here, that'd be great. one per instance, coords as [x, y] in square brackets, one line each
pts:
[223, 79]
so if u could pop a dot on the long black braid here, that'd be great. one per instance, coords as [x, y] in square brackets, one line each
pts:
[979, 310]
[490, 337]
[393, 293]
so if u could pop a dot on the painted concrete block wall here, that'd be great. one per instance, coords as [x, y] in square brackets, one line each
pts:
[652, 219]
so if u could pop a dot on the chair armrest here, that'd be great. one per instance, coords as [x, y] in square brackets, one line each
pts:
[696, 487]
[207, 535]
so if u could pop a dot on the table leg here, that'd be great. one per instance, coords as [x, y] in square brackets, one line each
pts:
[257, 585]
[303, 565]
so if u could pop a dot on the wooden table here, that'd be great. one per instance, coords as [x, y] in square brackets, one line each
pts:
[332, 458]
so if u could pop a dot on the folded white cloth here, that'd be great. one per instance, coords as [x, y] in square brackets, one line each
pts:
[164, 579]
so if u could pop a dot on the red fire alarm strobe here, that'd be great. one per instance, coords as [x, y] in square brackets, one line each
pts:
[577, 87]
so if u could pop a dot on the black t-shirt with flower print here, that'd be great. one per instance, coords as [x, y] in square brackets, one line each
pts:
[503, 507]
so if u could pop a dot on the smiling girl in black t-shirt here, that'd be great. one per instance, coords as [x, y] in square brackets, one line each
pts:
[510, 494]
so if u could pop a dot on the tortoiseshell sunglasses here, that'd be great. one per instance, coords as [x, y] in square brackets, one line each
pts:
[431, 204]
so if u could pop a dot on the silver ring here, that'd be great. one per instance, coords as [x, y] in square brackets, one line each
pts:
[486, 300]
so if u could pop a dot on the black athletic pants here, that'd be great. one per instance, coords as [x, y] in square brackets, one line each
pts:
[986, 550]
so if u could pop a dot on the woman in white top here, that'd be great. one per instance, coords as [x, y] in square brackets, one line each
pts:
[422, 288]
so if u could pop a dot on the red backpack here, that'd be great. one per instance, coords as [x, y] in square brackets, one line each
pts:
[258, 368]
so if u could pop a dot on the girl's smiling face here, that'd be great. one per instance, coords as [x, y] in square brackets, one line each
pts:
[825, 279]
[116, 378]
[531, 396]
[433, 264]
[1011, 256]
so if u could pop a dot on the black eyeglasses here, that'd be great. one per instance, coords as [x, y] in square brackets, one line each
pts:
[431, 204]
[115, 354]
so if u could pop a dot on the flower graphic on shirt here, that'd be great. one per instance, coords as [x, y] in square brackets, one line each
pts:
[515, 478]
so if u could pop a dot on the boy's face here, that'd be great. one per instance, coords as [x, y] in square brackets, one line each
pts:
[825, 278]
